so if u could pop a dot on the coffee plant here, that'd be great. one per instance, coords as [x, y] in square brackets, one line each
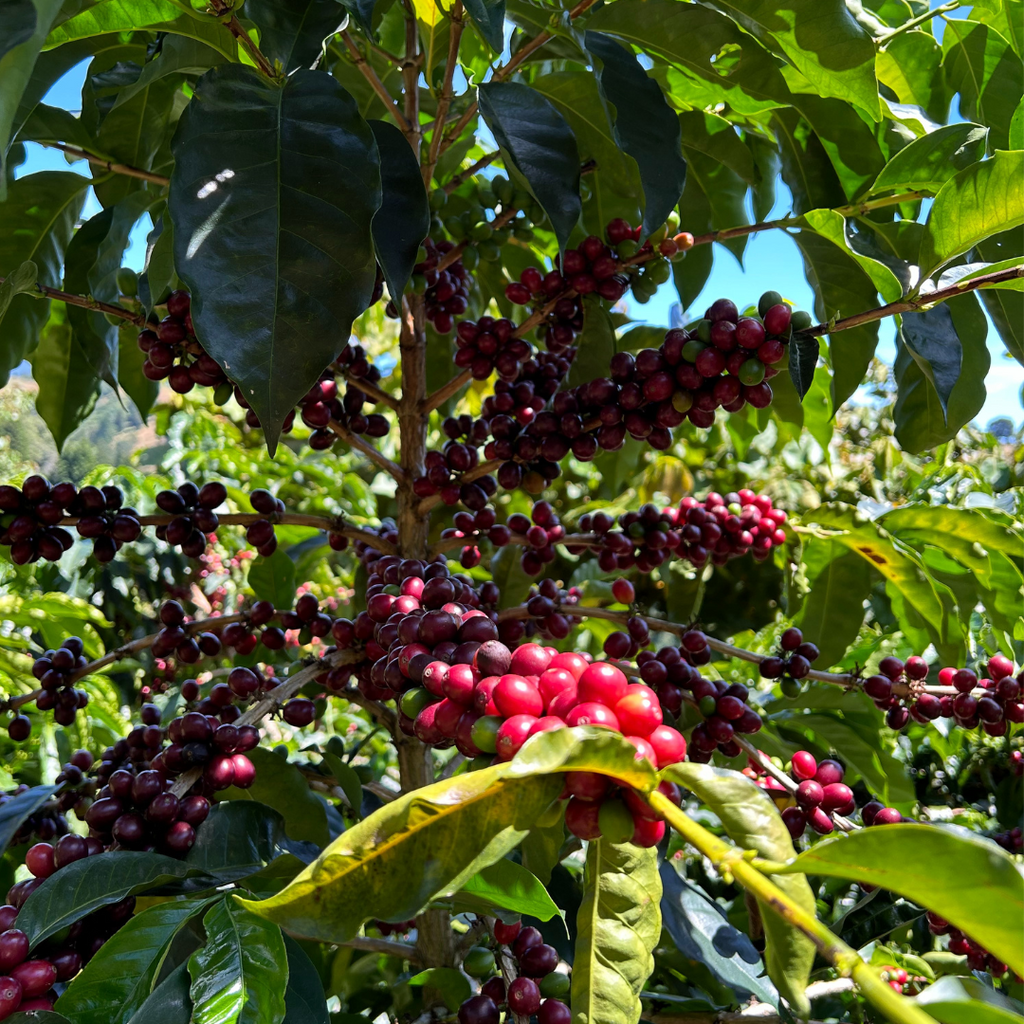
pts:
[459, 646]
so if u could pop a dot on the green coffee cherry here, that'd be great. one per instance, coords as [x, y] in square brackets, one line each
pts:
[455, 228]
[752, 372]
[222, 394]
[481, 231]
[682, 401]
[485, 733]
[624, 250]
[501, 236]
[489, 251]
[523, 232]
[800, 320]
[438, 199]
[421, 254]
[766, 302]
[415, 700]
[555, 985]
[470, 260]
[502, 188]
[363, 772]
[707, 705]
[128, 282]
[659, 271]
[790, 688]
[692, 349]
[479, 962]
[704, 330]
[336, 745]
[419, 284]
[487, 198]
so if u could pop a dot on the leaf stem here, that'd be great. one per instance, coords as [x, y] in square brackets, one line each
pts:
[935, 12]
[366, 70]
[843, 957]
[126, 169]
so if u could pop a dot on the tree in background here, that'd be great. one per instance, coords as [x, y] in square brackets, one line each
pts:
[464, 648]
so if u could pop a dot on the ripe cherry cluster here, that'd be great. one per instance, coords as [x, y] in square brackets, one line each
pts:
[994, 708]
[820, 794]
[488, 345]
[48, 821]
[57, 670]
[538, 988]
[716, 528]
[194, 518]
[546, 620]
[323, 403]
[445, 292]
[791, 663]
[174, 354]
[444, 471]
[978, 958]
[29, 518]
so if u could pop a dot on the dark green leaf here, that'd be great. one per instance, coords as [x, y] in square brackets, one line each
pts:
[304, 1000]
[929, 162]
[158, 279]
[277, 253]
[136, 385]
[618, 926]
[841, 288]
[806, 168]
[241, 974]
[615, 182]
[86, 885]
[403, 219]
[363, 11]
[294, 33]
[980, 201]
[281, 786]
[55, 124]
[595, 345]
[541, 147]
[36, 223]
[346, 777]
[452, 984]
[506, 885]
[37, 1017]
[169, 1002]
[803, 358]
[691, 273]
[653, 140]
[1005, 308]
[921, 421]
[489, 18]
[822, 39]
[932, 342]
[120, 978]
[725, 196]
[833, 610]
[752, 821]
[18, 18]
[507, 571]
[18, 54]
[708, 45]
[68, 385]
[18, 809]
[702, 932]
[240, 838]
[981, 66]
[179, 55]
[272, 578]
[959, 876]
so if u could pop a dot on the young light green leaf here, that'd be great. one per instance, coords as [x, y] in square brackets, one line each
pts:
[296, 226]
[117, 981]
[823, 40]
[752, 821]
[541, 147]
[272, 578]
[505, 885]
[653, 140]
[403, 219]
[929, 162]
[618, 926]
[113, 16]
[240, 976]
[959, 876]
[967, 1001]
[980, 201]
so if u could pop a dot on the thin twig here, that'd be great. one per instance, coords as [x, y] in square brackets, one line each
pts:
[388, 947]
[370, 390]
[234, 26]
[457, 20]
[87, 302]
[453, 183]
[355, 441]
[467, 478]
[117, 168]
[366, 70]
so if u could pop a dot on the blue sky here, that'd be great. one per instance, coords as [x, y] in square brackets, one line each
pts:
[771, 261]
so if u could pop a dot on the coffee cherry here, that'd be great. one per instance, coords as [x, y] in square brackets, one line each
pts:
[523, 996]
[479, 1010]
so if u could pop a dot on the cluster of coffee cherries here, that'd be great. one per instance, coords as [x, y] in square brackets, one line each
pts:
[992, 701]
[487, 345]
[30, 518]
[820, 794]
[48, 821]
[445, 292]
[57, 670]
[717, 528]
[27, 985]
[194, 519]
[174, 354]
[444, 476]
[791, 662]
[978, 958]
[538, 988]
